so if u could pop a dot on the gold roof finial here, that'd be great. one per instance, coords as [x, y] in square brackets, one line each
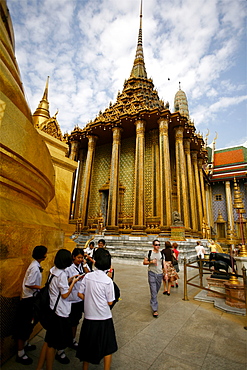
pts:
[238, 203]
[139, 69]
[42, 112]
[45, 96]
[206, 138]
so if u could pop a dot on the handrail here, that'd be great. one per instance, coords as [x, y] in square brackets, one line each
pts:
[200, 274]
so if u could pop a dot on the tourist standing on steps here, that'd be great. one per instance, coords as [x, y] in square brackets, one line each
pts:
[213, 247]
[156, 268]
[200, 251]
[25, 323]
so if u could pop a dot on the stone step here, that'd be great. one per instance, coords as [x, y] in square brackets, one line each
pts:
[136, 248]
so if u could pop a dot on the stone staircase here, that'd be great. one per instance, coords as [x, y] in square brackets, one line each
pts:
[133, 248]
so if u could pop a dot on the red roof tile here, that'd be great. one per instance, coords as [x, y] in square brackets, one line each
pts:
[228, 157]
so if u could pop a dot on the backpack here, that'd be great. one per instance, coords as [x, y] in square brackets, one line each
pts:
[117, 295]
[162, 257]
[41, 304]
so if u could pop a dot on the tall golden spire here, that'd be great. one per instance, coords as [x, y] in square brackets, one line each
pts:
[139, 69]
[42, 112]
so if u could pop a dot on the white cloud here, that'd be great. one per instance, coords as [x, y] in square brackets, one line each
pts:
[88, 47]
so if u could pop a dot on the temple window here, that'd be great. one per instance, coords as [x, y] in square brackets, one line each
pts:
[218, 197]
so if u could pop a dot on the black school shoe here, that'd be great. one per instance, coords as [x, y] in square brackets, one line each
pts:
[24, 361]
[74, 345]
[30, 347]
[63, 360]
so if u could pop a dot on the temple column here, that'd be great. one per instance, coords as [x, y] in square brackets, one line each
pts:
[87, 180]
[73, 150]
[210, 220]
[197, 189]
[229, 204]
[204, 210]
[182, 193]
[139, 191]
[112, 214]
[192, 197]
[155, 174]
[73, 154]
[79, 179]
[165, 175]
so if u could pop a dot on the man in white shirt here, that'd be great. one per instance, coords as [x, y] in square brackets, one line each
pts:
[200, 251]
[156, 266]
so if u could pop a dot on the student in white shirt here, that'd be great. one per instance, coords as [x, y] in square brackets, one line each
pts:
[25, 324]
[97, 337]
[59, 334]
[88, 253]
[78, 268]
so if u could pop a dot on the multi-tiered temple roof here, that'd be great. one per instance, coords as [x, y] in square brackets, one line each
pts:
[138, 100]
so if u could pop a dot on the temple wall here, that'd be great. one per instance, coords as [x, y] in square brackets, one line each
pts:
[149, 199]
[127, 166]
[59, 207]
[100, 175]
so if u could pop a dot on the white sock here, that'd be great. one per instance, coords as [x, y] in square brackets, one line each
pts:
[22, 354]
[61, 353]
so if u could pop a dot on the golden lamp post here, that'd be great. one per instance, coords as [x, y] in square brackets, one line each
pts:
[239, 206]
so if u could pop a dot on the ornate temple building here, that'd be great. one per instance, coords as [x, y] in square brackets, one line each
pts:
[140, 164]
[137, 170]
[228, 183]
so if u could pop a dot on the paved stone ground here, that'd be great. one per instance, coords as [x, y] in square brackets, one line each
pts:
[188, 335]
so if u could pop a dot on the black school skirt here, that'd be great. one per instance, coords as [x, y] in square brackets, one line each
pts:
[76, 313]
[25, 324]
[59, 332]
[97, 340]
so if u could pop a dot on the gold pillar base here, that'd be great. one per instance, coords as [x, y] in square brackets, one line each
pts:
[84, 230]
[243, 251]
[233, 280]
[139, 230]
[165, 231]
[177, 233]
[111, 230]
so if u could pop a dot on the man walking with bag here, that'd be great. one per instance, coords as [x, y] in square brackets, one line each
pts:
[156, 267]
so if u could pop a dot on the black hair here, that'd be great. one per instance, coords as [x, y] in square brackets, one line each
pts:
[91, 243]
[39, 252]
[102, 259]
[167, 245]
[77, 251]
[156, 240]
[63, 259]
[102, 241]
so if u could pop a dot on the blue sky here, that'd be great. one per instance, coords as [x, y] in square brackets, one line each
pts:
[87, 47]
